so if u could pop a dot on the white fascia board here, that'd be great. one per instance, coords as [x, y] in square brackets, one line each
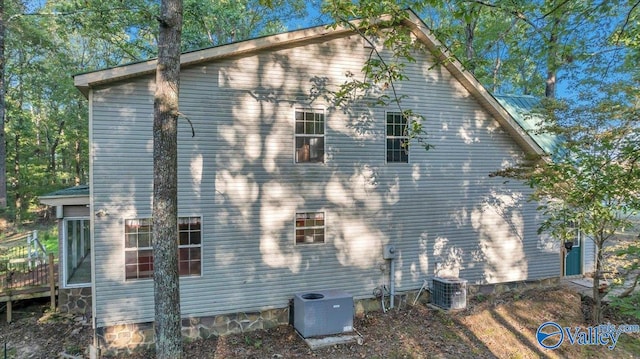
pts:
[85, 81]
[65, 200]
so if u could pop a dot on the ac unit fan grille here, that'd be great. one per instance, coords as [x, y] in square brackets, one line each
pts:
[449, 293]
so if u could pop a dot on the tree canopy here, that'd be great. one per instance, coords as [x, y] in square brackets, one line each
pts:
[583, 52]
[46, 122]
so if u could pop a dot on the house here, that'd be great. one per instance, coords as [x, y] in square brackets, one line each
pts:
[281, 193]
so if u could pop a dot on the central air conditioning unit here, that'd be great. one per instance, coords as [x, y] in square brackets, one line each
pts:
[324, 312]
[449, 293]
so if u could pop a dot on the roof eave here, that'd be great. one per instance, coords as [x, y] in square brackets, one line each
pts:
[71, 200]
[84, 82]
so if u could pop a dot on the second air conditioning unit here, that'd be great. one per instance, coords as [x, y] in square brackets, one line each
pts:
[449, 293]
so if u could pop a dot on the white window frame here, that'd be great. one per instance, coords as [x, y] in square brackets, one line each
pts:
[312, 227]
[65, 254]
[296, 135]
[388, 137]
[192, 246]
[136, 249]
[577, 241]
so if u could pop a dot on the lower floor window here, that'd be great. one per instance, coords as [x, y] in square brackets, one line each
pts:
[138, 253]
[309, 227]
[189, 245]
[139, 247]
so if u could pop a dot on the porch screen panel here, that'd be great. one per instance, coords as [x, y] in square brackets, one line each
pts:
[77, 251]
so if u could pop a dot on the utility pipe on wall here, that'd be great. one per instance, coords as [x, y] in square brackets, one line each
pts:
[389, 253]
[392, 282]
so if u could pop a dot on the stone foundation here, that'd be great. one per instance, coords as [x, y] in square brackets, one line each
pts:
[404, 298]
[498, 288]
[206, 327]
[126, 338]
[75, 300]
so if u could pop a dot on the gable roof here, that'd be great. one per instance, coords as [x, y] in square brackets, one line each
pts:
[84, 82]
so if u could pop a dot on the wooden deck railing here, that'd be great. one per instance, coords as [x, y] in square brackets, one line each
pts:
[26, 271]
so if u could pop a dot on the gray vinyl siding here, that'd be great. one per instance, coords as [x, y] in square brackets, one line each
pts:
[75, 211]
[442, 210]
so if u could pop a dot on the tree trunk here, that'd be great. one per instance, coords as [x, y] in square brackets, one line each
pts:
[77, 162]
[17, 181]
[553, 63]
[496, 70]
[52, 151]
[3, 143]
[550, 86]
[597, 303]
[168, 340]
[469, 51]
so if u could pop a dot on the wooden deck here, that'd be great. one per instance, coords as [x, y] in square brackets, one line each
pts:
[29, 281]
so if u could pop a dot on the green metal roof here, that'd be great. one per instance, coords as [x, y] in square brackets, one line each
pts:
[78, 195]
[81, 190]
[524, 110]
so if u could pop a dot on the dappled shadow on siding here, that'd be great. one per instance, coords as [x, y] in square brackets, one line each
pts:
[442, 212]
[500, 224]
[445, 216]
[258, 155]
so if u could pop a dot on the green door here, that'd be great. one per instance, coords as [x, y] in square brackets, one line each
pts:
[573, 259]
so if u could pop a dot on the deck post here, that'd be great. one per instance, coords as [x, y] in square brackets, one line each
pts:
[52, 283]
[9, 311]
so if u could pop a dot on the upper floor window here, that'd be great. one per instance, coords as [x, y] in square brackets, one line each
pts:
[309, 135]
[397, 138]
[138, 251]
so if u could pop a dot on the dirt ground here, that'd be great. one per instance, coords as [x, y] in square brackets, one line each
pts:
[492, 326]
[37, 333]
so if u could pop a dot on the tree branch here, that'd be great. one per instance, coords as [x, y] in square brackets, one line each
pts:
[630, 290]
[554, 9]
[626, 21]
[79, 11]
[193, 131]
[374, 50]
